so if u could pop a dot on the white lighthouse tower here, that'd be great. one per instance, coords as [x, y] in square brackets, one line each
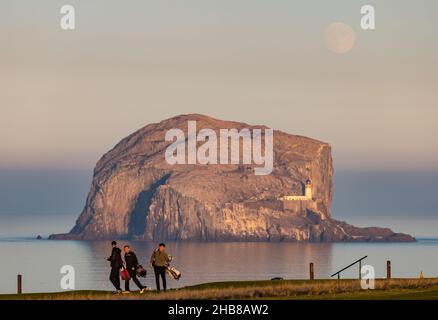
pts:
[308, 191]
[306, 197]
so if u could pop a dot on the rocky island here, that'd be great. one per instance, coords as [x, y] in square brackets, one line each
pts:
[136, 194]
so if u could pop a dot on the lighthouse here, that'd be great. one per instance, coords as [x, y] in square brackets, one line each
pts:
[308, 191]
[307, 194]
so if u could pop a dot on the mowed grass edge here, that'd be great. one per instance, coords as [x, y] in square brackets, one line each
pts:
[347, 289]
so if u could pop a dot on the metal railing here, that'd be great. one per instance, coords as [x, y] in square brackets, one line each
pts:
[350, 265]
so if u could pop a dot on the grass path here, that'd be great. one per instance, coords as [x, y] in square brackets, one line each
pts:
[284, 289]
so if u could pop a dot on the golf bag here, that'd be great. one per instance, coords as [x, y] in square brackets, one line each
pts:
[141, 272]
[173, 272]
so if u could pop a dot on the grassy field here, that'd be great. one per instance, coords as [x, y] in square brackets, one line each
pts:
[281, 289]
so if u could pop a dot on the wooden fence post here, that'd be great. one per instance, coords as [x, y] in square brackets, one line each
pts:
[388, 269]
[311, 271]
[19, 284]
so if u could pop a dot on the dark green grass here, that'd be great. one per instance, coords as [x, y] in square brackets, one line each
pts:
[395, 289]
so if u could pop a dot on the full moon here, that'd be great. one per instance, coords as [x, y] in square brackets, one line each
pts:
[339, 37]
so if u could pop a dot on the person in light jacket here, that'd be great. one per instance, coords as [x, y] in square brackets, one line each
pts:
[160, 261]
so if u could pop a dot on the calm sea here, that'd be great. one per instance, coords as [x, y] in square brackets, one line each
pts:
[39, 261]
[42, 202]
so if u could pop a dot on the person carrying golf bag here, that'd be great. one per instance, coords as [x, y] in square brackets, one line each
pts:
[159, 261]
[132, 265]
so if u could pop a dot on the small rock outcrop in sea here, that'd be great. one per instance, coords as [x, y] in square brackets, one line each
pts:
[136, 194]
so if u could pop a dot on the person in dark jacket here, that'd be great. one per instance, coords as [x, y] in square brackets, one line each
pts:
[160, 261]
[116, 263]
[131, 262]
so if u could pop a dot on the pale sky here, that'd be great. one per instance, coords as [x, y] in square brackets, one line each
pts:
[68, 96]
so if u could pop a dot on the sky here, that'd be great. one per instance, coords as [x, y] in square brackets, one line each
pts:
[69, 96]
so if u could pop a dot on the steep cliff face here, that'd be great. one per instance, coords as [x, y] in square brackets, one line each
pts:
[136, 194]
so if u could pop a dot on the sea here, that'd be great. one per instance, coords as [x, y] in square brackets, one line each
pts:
[40, 261]
[40, 202]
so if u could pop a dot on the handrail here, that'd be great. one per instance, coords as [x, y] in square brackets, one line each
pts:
[339, 272]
